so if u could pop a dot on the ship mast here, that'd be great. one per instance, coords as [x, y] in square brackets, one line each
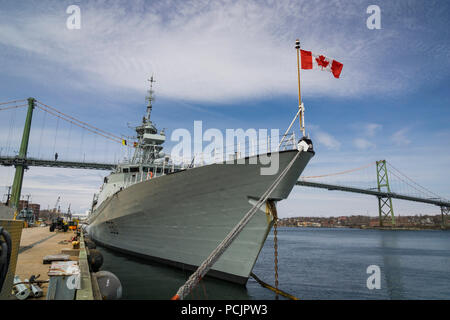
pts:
[149, 98]
[301, 108]
[149, 141]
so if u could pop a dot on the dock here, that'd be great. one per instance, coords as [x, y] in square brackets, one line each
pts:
[38, 242]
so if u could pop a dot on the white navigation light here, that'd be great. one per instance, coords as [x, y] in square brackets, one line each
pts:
[302, 146]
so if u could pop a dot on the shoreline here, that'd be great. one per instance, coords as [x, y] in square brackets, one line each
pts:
[437, 228]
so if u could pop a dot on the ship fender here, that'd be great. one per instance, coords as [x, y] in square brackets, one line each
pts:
[90, 244]
[109, 285]
[95, 259]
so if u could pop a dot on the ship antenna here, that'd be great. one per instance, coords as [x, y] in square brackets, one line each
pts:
[150, 98]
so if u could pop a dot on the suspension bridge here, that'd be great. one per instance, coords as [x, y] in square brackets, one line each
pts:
[63, 141]
[410, 190]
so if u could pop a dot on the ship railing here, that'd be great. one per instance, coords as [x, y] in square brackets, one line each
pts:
[247, 148]
[242, 149]
[154, 170]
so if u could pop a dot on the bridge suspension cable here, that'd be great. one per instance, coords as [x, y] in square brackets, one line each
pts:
[52, 141]
[407, 186]
[13, 101]
[7, 106]
[339, 173]
[13, 107]
[424, 190]
[63, 116]
[78, 123]
[41, 133]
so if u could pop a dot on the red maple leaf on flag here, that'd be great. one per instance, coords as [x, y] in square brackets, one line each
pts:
[322, 62]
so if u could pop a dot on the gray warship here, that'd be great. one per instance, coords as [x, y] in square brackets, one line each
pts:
[155, 209]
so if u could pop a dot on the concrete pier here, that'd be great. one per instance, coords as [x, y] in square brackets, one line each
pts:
[38, 242]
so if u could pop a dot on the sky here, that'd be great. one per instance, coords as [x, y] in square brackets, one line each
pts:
[232, 64]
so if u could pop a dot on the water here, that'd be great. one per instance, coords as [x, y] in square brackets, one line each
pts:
[313, 263]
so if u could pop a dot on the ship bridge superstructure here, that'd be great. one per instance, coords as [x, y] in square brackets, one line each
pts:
[148, 147]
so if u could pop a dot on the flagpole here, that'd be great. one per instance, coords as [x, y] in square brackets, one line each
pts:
[300, 117]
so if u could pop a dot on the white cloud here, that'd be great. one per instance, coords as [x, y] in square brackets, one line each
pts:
[327, 140]
[202, 51]
[363, 144]
[211, 51]
[365, 133]
[372, 128]
[400, 137]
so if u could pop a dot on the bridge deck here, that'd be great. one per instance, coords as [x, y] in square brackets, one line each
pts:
[437, 202]
[12, 161]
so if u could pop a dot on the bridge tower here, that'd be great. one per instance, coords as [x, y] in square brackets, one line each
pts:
[20, 167]
[385, 208]
[444, 215]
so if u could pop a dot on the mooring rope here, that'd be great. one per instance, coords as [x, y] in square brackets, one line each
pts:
[194, 279]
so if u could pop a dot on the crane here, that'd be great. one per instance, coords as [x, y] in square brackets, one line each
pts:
[69, 214]
[58, 221]
[57, 204]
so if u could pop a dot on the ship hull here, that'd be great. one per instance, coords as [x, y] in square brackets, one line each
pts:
[180, 218]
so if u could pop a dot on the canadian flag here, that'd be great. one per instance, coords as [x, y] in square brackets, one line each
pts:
[314, 61]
